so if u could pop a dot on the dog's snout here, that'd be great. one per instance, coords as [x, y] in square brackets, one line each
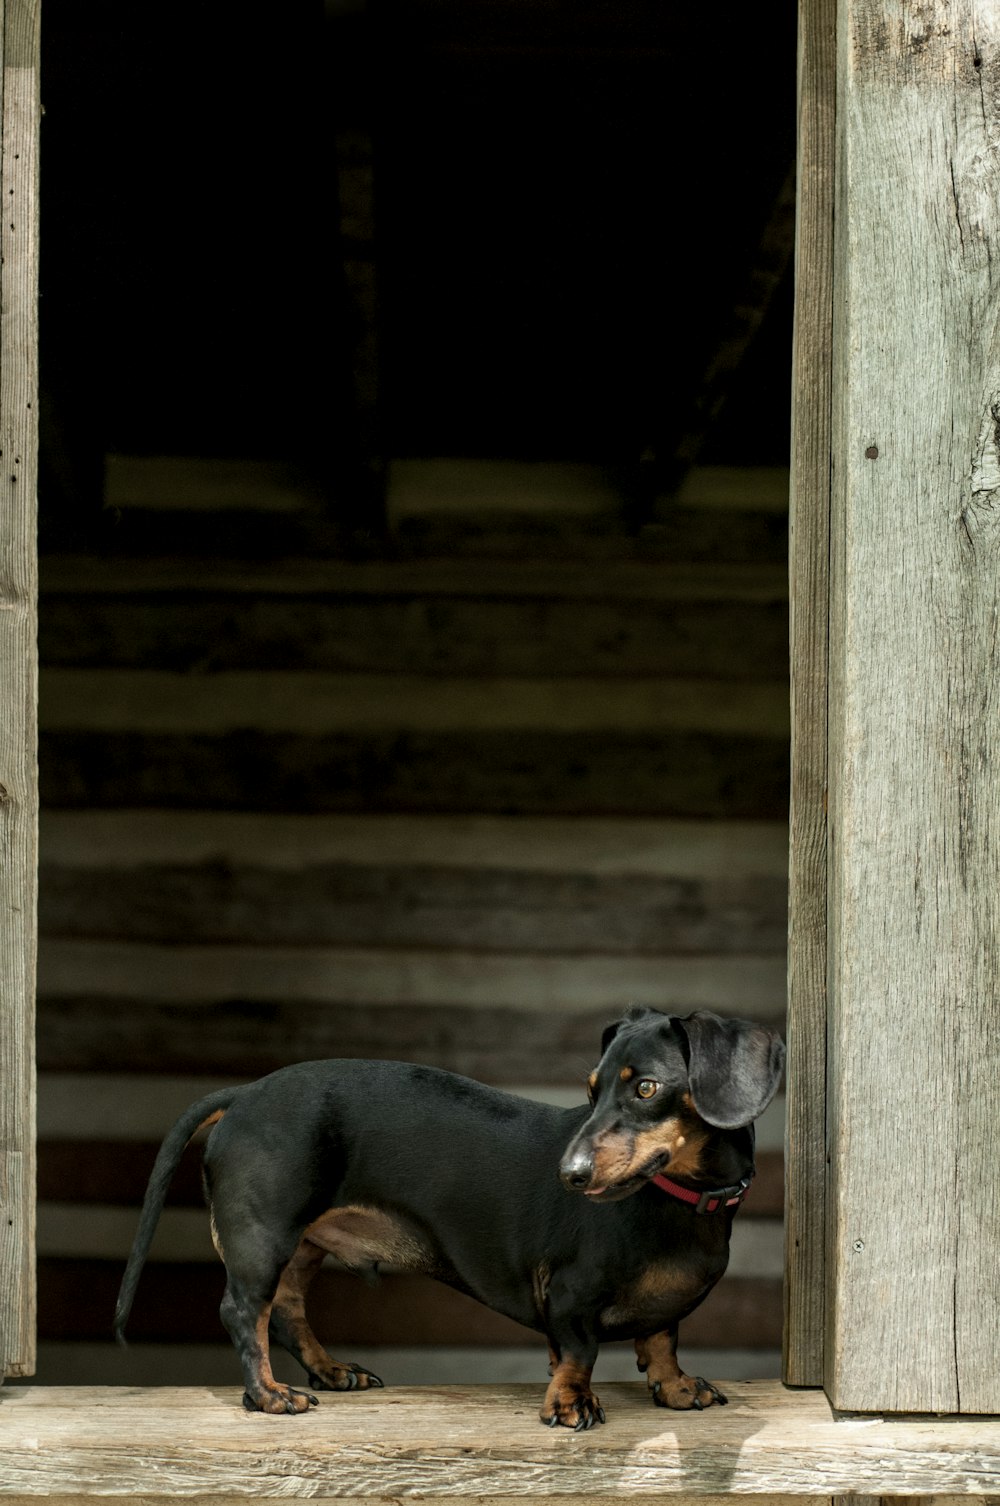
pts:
[577, 1168]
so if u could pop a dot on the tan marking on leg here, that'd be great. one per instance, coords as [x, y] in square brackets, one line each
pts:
[217, 1242]
[666, 1380]
[273, 1396]
[569, 1401]
[541, 1278]
[292, 1327]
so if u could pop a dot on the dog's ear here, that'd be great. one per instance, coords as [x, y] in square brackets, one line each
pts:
[610, 1031]
[734, 1068]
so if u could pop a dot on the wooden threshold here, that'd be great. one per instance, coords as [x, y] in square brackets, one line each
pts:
[473, 1442]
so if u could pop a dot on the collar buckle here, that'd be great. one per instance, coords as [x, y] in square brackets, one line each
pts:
[716, 1198]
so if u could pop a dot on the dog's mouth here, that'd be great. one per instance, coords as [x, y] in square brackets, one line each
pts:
[614, 1192]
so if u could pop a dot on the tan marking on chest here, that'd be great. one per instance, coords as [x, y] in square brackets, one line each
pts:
[655, 1295]
[362, 1237]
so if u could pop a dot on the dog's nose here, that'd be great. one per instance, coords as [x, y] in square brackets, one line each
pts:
[577, 1169]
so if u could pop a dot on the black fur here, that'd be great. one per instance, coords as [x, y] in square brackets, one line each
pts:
[387, 1162]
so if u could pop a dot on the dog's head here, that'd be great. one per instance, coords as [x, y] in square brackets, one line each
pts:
[662, 1087]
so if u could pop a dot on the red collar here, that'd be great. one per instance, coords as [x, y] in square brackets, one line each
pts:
[710, 1201]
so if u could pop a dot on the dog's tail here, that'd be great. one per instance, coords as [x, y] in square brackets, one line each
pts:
[206, 1111]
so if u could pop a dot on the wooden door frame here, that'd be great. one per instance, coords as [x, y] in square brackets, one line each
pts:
[893, 1235]
[21, 113]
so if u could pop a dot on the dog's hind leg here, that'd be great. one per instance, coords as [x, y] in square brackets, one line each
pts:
[290, 1327]
[253, 1271]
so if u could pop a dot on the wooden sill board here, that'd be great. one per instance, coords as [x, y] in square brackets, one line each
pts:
[80, 1444]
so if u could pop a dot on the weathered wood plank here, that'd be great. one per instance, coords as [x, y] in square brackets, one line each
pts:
[613, 581]
[809, 590]
[354, 905]
[18, 625]
[477, 1442]
[602, 847]
[141, 701]
[443, 484]
[595, 773]
[682, 533]
[180, 1304]
[241, 1499]
[687, 533]
[196, 483]
[199, 975]
[915, 716]
[416, 635]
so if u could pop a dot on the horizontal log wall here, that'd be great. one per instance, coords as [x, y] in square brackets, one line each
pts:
[453, 810]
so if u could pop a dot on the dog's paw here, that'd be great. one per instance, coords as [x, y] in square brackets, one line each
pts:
[571, 1407]
[279, 1400]
[687, 1393]
[344, 1377]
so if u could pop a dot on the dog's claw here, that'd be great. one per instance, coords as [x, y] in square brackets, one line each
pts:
[375, 1382]
[600, 1415]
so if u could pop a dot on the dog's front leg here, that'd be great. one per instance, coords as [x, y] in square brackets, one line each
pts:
[669, 1386]
[569, 1400]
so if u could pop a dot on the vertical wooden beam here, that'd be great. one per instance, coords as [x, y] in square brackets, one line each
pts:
[18, 757]
[809, 545]
[913, 1063]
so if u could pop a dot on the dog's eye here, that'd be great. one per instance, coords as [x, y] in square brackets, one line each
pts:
[646, 1087]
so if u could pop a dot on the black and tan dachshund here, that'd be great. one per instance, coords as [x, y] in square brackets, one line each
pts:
[608, 1221]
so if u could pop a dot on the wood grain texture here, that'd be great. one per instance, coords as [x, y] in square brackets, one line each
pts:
[686, 533]
[476, 1442]
[632, 580]
[416, 635]
[533, 773]
[159, 701]
[202, 975]
[696, 851]
[246, 1037]
[18, 728]
[809, 547]
[353, 905]
[915, 716]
